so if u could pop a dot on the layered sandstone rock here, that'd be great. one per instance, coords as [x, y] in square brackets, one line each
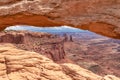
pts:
[20, 37]
[100, 16]
[18, 64]
[46, 44]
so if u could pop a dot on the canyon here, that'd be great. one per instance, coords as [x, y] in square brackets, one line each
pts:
[43, 43]
[86, 49]
[28, 55]
[25, 65]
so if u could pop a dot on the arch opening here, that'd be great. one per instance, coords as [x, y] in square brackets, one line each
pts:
[102, 28]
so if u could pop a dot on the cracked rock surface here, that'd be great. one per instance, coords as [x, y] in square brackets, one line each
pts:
[18, 64]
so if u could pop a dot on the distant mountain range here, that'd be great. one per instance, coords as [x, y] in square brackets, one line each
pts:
[61, 29]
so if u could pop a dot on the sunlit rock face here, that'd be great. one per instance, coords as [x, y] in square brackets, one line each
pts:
[99, 16]
[18, 64]
[46, 44]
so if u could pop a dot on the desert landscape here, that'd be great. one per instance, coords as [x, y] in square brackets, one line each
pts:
[91, 51]
[95, 52]
[59, 39]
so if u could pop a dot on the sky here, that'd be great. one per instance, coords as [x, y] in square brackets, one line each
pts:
[45, 29]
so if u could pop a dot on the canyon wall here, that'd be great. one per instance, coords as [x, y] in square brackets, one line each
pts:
[43, 43]
[99, 16]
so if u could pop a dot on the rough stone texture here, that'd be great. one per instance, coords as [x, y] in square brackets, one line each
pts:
[100, 16]
[20, 37]
[46, 44]
[18, 64]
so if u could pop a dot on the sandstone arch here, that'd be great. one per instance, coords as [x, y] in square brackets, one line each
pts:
[99, 16]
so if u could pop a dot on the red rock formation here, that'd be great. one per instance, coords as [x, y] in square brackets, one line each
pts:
[18, 64]
[11, 38]
[43, 43]
[68, 38]
[99, 16]
[71, 38]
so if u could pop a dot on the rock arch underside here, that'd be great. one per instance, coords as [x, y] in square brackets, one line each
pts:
[99, 16]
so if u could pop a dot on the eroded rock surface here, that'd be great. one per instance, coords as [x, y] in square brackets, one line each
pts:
[46, 44]
[100, 16]
[18, 64]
